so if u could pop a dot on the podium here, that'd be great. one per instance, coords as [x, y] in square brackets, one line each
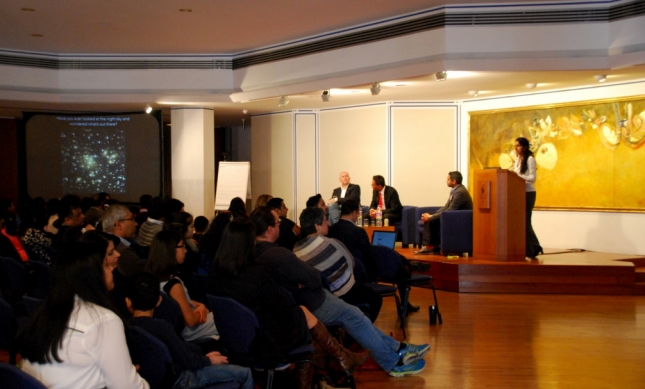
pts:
[499, 216]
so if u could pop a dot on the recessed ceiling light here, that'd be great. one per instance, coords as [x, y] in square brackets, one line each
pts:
[283, 102]
[28, 9]
[37, 35]
[600, 77]
[531, 85]
[185, 10]
[441, 76]
[473, 93]
[399, 85]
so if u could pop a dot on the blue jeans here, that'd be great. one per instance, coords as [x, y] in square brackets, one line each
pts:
[384, 348]
[215, 374]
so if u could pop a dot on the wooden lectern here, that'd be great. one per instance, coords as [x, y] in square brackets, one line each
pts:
[499, 216]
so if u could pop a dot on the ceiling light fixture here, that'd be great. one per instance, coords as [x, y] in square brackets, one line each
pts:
[600, 77]
[148, 109]
[375, 89]
[531, 85]
[283, 102]
[37, 35]
[326, 95]
[441, 76]
[28, 9]
[185, 10]
[473, 93]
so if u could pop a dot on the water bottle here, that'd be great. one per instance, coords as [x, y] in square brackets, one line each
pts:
[359, 221]
[379, 217]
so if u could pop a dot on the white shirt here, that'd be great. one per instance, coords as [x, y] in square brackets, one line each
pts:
[530, 175]
[94, 353]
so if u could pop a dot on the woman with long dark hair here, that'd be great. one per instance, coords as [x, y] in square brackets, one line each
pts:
[284, 325]
[75, 340]
[167, 252]
[526, 168]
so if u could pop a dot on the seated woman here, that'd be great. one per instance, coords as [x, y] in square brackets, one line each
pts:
[284, 325]
[167, 252]
[75, 340]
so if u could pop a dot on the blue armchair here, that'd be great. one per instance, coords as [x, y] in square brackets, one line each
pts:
[457, 231]
[418, 224]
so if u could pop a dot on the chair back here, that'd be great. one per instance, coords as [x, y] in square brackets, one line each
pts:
[32, 303]
[8, 326]
[153, 358]
[418, 211]
[170, 311]
[12, 279]
[387, 261]
[237, 324]
[12, 377]
[44, 277]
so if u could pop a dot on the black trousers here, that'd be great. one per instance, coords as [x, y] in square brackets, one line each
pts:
[361, 294]
[431, 232]
[532, 243]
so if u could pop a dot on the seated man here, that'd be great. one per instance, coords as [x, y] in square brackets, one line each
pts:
[303, 281]
[386, 198]
[345, 192]
[193, 369]
[357, 242]
[334, 261]
[118, 220]
[289, 230]
[71, 221]
[459, 199]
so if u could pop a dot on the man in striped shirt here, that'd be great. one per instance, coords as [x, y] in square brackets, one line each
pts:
[332, 259]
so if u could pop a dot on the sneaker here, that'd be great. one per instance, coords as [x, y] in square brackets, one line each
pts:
[411, 353]
[426, 250]
[413, 368]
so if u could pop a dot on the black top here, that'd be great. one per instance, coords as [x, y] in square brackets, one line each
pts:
[282, 323]
[353, 192]
[357, 242]
[287, 238]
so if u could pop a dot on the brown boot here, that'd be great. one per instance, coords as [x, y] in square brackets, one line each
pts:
[304, 374]
[346, 359]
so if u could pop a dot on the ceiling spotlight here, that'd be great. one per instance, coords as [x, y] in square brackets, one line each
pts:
[375, 89]
[441, 76]
[148, 109]
[600, 77]
[326, 95]
[531, 85]
[283, 102]
[473, 93]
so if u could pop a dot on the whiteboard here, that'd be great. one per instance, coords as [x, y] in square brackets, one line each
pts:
[233, 180]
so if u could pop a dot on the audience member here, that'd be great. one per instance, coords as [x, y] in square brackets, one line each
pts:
[144, 203]
[193, 369]
[75, 340]
[95, 211]
[345, 192]
[119, 221]
[284, 325]
[200, 224]
[262, 201]
[152, 225]
[331, 258]
[459, 199]
[289, 230]
[71, 221]
[33, 238]
[211, 240]
[303, 281]
[167, 251]
[237, 208]
[387, 199]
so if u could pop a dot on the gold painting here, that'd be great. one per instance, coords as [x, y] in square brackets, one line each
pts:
[590, 155]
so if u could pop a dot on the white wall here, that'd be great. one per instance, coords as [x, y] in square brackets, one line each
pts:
[596, 231]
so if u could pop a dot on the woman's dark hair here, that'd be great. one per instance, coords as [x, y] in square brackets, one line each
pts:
[526, 153]
[100, 238]
[237, 207]
[180, 221]
[236, 249]
[162, 259]
[78, 272]
[201, 223]
[213, 236]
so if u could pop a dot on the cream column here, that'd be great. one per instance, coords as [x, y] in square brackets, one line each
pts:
[193, 159]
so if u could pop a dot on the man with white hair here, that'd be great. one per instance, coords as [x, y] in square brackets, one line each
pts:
[119, 221]
[345, 192]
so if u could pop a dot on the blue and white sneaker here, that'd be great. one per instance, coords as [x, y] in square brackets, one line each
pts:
[413, 368]
[411, 353]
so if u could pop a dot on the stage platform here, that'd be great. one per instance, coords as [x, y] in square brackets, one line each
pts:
[555, 272]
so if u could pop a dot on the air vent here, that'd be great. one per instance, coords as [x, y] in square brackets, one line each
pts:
[28, 61]
[145, 64]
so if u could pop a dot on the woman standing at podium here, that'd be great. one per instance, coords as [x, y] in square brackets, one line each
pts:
[525, 167]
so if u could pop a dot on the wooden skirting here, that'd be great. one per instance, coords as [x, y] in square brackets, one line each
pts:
[556, 272]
